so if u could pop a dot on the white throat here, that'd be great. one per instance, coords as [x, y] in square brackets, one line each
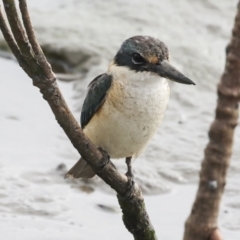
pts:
[146, 81]
[131, 114]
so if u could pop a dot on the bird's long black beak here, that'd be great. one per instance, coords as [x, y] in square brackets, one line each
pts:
[164, 69]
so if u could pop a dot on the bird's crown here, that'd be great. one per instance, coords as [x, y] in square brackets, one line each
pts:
[144, 53]
[139, 50]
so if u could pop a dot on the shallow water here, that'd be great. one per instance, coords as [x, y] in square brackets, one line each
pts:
[88, 34]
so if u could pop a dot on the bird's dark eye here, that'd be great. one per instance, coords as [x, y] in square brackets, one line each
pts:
[137, 59]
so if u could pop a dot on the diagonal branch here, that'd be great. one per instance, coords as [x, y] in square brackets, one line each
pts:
[135, 216]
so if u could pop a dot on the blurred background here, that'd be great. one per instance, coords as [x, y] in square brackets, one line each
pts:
[80, 38]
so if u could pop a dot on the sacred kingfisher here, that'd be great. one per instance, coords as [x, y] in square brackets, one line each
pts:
[124, 107]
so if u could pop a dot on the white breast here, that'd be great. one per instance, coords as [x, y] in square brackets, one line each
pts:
[131, 114]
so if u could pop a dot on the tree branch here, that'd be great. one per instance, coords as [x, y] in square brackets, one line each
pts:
[32, 39]
[17, 29]
[202, 222]
[11, 42]
[29, 55]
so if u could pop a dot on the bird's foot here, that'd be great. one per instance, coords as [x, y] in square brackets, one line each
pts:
[129, 174]
[130, 187]
[130, 177]
[105, 159]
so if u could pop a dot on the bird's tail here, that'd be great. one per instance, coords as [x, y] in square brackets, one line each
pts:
[80, 170]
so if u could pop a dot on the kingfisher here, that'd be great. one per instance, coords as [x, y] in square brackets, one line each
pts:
[125, 106]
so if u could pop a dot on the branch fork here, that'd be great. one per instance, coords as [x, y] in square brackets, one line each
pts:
[25, 47]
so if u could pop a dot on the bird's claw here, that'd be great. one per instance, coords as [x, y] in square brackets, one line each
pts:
[129, 174]
[130, 187]
[105, 158]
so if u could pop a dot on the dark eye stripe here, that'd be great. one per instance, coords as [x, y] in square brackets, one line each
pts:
[137, 59]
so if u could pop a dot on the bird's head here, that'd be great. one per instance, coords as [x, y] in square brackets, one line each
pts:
[148, 54]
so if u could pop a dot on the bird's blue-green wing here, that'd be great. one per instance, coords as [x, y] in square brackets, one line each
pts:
[96, 96]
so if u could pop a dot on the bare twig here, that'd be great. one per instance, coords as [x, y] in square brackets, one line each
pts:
[11, 42]
[135, 216]
[22, 50]
[32, 39]
[202, 222]
[17, 29]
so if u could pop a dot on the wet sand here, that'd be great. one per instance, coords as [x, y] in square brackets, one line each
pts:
[35, 200]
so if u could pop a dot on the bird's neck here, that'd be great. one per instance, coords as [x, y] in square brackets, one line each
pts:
[136, 80]
[140, 96]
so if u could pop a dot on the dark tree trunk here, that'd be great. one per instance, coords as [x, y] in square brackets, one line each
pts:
[202, 222]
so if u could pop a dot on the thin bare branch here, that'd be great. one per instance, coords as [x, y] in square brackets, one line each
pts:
[202, 222]
[32, 39]
[17, 29]
[21, 39]
[11, 42]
